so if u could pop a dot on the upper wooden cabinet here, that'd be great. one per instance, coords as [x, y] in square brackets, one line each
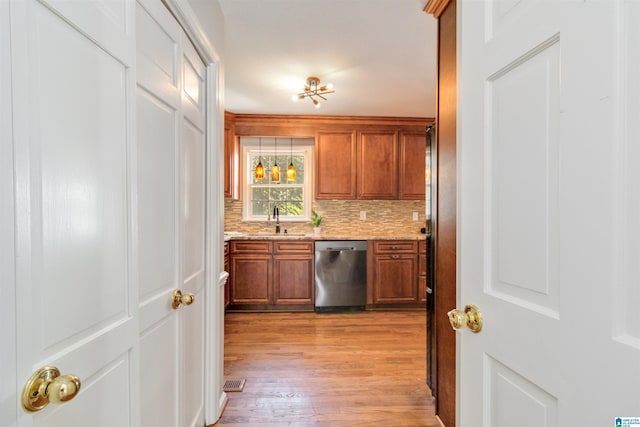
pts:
[377, 168]
[231, 157]
[335, 161]
[411, 177]
[374, 158]
[388, 165]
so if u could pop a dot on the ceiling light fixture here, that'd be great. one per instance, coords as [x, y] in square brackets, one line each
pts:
[313, 90]
[291, 170]
[275, 169]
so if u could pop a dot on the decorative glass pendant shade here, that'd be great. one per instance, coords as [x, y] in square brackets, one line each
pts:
[259, 167]
[260, 171]
[291, 170]
[275, 169]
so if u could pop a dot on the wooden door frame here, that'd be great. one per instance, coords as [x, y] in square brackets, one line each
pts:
[443, 226]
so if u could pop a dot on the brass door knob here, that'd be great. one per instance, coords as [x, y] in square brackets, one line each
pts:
[180, 298]
[45, 386]
[469, 318]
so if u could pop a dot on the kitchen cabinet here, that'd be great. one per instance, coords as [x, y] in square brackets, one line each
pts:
[293, 273]
[377, 165]
[272, 275]
[335, 165]
[231, 158]
[411, 176]
[393, 272]
[423, 258]
[251, 272]
[227, 285]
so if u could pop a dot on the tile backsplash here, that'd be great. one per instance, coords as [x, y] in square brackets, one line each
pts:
[342, 217]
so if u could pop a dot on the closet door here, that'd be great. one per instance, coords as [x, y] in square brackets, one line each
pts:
[73, 144]
[170, 117]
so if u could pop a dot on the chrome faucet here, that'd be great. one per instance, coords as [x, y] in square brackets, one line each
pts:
[276, 215]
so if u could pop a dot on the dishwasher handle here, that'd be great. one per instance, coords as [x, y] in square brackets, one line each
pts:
[341, 249]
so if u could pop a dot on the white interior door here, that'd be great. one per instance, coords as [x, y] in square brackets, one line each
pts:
[170, 114]
[549, 212]
[72, 87]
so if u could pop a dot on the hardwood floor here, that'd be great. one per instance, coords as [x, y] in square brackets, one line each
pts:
[330, 369]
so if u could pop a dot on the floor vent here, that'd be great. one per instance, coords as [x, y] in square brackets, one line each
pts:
[233, 385]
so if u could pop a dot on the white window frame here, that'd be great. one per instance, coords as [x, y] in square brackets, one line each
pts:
[301, 145]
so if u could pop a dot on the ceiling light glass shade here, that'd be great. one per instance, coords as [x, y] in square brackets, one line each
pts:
[291, 172]
[259, 171]
[275, 173]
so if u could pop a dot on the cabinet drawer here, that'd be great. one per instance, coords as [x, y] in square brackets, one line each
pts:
[293, 247]
[251, 247]
[406, 246]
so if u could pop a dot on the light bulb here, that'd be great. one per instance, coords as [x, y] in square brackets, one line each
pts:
[316, 103]
[329, 86]
[294, 98]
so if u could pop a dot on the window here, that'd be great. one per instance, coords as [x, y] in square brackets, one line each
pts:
[293, 198]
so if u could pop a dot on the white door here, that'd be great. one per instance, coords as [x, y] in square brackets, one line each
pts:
[171, 174]
[549, 208]
[73, 141]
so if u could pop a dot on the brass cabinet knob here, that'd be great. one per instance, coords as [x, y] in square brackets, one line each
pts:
[45, 386]
[180, 298]
[469, 318]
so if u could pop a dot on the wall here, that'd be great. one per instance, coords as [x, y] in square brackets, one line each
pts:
[342, 218]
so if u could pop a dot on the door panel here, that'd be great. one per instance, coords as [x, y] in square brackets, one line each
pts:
[73, 244]
[194, 231]
[525, 179]
[555, 287]
[159, 349]
[158, 115]
[171, 232]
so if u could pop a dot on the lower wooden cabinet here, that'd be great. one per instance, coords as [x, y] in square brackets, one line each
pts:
[227, 285]
[393, 273]
[272, 275]
[423, 258]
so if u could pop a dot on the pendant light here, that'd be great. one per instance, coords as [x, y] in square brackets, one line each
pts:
[291, 170]
[259, 168]
[275, 169]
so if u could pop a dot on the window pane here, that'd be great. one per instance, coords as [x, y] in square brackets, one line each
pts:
[279, 194]
[260, 193]
[259, 208]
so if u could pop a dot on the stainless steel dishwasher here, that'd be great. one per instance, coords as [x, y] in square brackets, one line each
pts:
[341, 274]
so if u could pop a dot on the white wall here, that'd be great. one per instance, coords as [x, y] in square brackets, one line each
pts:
[209, 13]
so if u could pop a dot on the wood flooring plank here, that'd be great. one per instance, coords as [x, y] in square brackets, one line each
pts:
[328, 369]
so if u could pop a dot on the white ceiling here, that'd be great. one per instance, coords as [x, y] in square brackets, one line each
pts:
[380, 56]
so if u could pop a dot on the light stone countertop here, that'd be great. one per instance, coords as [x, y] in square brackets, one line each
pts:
[311, 236]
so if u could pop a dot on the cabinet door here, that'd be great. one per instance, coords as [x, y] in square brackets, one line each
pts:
[251, 279]
[230, 159]
[227, 285]
[335, 159]
[395, 279]
[413, 151]
[422, 272]
[293, 279]
[377, 165]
